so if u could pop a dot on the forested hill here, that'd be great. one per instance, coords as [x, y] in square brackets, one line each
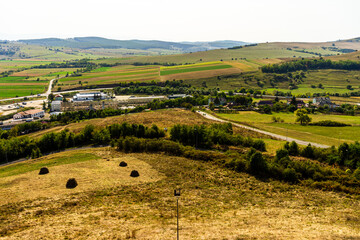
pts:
[98, 42]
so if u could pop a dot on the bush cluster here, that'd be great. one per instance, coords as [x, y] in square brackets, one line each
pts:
[207, 136]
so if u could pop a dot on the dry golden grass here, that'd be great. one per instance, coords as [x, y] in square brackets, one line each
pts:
[215, 204]
[90, 175]
[243, 66]
[268, 61]
[162, 118]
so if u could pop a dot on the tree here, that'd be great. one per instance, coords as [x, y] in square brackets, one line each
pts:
[212, 106]
[302, 116]
[293, 149]
[257, 163]
[51, 97]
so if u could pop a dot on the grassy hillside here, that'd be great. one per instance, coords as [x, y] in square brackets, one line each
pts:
[355, 56]
[323, 135]
[260, 51]
[215, 203]
[333, 81]
[163, 118]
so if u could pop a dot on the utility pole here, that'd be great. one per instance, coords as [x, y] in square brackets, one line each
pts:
[177, 195]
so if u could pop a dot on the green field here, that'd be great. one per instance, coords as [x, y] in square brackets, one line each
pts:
[322, 135]
[20, 86]
[20, 168]
[10, 92]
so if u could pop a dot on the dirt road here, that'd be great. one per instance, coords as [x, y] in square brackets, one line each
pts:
[277, 136]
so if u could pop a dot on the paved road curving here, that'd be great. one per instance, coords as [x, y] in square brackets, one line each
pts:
[277, 136]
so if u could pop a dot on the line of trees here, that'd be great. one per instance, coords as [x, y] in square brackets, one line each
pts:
[310, 64]
[15, 148]
[82, 63]
[206, 136]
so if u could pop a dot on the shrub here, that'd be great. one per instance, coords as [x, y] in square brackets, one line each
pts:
[71, 183]
[258, 163]
[329, 123]
[43, 171]
[308, 152]
[134, 173]
[290, 175]
[293, 149]
[259, 145]
[281, 153]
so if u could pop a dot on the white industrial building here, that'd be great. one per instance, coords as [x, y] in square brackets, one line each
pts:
[90, 96]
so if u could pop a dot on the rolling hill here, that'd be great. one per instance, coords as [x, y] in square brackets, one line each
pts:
[98, 42]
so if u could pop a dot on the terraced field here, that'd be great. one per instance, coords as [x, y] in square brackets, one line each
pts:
[198, 71]
[111, 76]
[29, 82]
[193, 68]
[19, 86]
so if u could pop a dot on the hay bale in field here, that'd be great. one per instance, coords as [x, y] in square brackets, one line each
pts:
[134, 173]
[43, 171]
[71, 183]
[123, 164]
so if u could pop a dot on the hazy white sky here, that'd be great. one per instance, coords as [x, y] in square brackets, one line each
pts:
[185, 20]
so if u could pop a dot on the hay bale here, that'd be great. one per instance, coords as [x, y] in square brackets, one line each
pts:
[134, 173]
[123, 164]
[71, 183]
[43, 171]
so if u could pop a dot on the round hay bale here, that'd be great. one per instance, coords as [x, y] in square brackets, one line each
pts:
[71, 183]
[123, 164]
[134, 173]
[43, 171]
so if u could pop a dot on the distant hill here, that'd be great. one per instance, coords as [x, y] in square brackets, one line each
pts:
[98, 42]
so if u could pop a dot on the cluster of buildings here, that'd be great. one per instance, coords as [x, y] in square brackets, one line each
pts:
[29, 114]
[317, 101]
[89, 101]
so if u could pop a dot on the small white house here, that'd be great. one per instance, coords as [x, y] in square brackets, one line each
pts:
[33, 113]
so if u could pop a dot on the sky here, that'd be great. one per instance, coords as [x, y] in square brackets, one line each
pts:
[185, 20]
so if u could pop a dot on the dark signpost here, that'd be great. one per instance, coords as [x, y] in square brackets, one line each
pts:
[177, 195]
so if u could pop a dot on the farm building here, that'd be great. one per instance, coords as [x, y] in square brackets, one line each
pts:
[34, 113]
[322, 101]
[142, 100]
[217, 101]
[299, 103]
[56, 106]
[90, 96]
[174, 96]
[265, 102]
[59, 97]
